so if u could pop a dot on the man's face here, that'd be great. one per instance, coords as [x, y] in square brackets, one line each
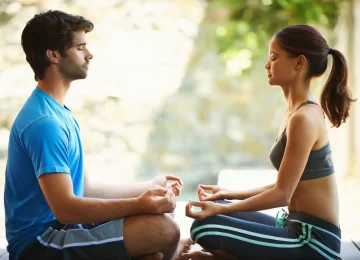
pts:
[76, 63]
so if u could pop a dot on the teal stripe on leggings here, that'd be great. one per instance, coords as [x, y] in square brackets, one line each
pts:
[217, 233]
[244, 232]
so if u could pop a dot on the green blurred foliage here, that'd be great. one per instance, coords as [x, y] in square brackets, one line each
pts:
[248, 25]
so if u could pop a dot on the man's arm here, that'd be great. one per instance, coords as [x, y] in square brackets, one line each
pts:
[115, 191]
[68, 208]
[129, 190]
[49, 154]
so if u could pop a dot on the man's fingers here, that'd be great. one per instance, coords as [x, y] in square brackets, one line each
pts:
[171, 177]
[158, 191]
[167, 203]
[164, 200]
[176, 188]
[172, 204]
[177, 191]
[172, 197]
[176, 184]
[168, 195]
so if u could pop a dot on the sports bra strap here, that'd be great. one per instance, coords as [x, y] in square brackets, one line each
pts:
[305, 103]
[309, 102]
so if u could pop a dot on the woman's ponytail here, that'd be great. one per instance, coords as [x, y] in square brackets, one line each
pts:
[336, 96]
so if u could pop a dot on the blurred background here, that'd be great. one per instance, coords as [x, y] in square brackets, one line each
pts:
[179, 86]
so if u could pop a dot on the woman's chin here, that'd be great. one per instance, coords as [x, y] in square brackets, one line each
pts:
[270, 82]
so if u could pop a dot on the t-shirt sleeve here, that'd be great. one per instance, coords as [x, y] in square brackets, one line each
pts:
[46, 143]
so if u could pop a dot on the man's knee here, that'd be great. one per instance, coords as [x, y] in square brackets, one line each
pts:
[169, 229]
[147, 234]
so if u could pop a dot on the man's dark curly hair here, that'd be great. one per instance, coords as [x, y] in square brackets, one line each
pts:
[50, 30]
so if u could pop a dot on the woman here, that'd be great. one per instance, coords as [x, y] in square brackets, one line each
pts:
[301, 154]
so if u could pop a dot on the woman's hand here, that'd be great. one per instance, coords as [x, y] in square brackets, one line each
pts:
[208, 209]
[217, 193]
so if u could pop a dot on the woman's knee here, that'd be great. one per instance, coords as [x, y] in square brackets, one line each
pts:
[203, 233]
[199, 224]
[197, 227]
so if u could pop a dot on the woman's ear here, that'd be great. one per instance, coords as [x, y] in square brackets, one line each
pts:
[300, 63]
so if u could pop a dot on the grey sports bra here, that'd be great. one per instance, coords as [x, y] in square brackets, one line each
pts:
[319, 163]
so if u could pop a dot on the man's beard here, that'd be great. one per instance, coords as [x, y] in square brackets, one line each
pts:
[72, 70]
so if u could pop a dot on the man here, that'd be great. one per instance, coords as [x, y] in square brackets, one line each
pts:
[47, 194]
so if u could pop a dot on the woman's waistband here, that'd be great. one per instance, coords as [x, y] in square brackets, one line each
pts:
[316, 222]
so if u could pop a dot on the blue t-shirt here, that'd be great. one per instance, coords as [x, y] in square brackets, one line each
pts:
[45, 138]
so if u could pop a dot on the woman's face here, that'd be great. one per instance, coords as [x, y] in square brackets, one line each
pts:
[280, 68]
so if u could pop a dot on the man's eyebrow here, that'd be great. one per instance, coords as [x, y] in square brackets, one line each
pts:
[81, 44]
[274, 53]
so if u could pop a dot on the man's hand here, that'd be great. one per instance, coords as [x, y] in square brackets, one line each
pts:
[208, 209]
[157, 201]
[170, 182]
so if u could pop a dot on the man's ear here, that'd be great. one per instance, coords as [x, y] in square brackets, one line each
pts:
[300, 63]
[53, 56]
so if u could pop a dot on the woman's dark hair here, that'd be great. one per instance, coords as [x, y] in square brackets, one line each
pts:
[50, 30]
[306, 40]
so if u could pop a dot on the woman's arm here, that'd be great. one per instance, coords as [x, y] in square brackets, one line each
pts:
[302, 133]
[242, 195]
[301, 136]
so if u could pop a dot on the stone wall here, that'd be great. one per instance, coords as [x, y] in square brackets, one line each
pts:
[157, 98]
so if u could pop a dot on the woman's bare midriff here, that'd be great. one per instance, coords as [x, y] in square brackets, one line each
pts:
[317, 197]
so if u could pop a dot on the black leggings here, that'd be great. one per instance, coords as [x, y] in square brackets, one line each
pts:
[256, 235]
